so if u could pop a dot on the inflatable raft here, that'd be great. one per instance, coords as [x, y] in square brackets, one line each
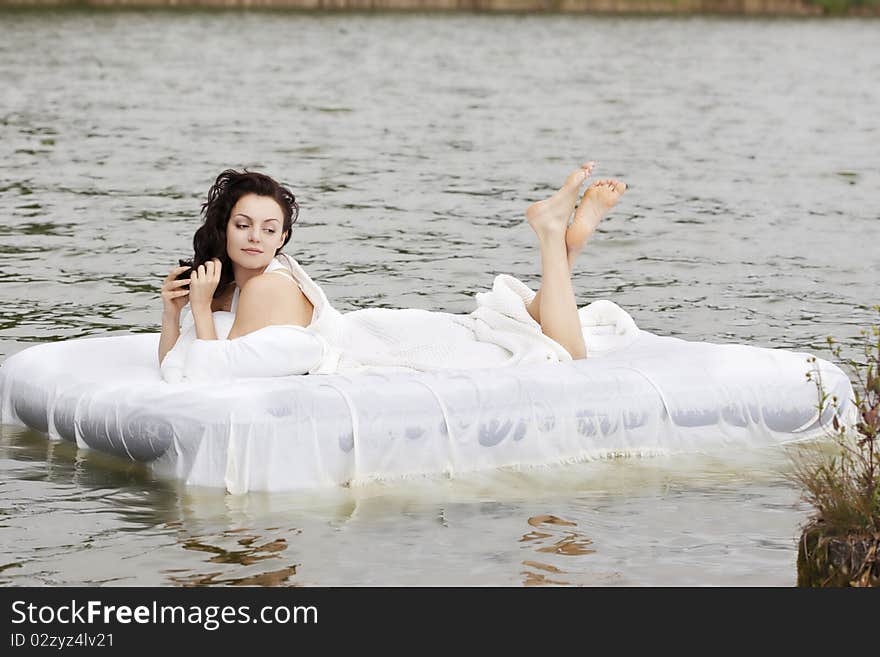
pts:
[659, 395]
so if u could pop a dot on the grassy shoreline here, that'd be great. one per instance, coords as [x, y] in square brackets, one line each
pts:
[614, 7]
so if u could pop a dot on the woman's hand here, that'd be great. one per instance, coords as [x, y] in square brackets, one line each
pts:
[173, 297]
[202, 284]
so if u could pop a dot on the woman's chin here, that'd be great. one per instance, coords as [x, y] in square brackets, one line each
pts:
[253, 262]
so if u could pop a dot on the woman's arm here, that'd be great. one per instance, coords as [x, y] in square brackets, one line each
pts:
[270, 352]
[170, 333]
[204, 322]
[203, 283]
[174, 298]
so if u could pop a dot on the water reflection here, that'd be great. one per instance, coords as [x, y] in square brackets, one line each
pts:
[246, 553]
[79, 506]
[540, 579]
[274, 578]
[546, 538]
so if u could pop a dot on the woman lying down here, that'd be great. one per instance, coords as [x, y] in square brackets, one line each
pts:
[252, 311]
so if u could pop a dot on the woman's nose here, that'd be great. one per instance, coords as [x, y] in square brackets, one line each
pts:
[253, 235]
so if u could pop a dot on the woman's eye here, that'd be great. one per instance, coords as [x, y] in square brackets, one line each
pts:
[241, 226]
[271, 231]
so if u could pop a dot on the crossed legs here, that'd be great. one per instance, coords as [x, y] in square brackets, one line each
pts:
[554, 306]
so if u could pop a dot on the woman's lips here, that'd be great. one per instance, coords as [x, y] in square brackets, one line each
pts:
[252, 251]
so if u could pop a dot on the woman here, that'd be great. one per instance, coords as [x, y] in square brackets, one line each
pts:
[255, 312]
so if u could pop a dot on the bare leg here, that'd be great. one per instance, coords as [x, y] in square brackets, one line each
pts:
[559, 316]
[599, 198]
[557, 307]
[534, 307]
[562, 202]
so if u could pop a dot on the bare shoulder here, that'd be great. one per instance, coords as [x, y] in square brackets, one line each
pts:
[275, 289]
[270, 299]
[269, 283]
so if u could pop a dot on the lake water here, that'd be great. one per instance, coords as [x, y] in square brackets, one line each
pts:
[414, 143]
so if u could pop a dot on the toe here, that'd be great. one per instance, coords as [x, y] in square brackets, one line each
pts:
[576, 178]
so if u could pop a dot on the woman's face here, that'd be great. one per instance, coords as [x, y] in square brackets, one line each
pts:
[254, 231]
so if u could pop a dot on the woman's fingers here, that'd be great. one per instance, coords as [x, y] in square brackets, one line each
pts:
[174, 284]
[212, 268]
[174, 273]
[174, 292]
[207, 271]
[203, 282]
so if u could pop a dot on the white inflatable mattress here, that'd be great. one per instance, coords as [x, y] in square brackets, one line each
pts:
[658, 395]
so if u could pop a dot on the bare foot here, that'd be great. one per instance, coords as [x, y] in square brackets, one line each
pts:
[552, 214]
[599, 198]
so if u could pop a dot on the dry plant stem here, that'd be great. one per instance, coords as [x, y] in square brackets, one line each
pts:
[845, 490]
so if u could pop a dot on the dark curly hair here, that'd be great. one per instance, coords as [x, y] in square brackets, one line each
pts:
[210, 239]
